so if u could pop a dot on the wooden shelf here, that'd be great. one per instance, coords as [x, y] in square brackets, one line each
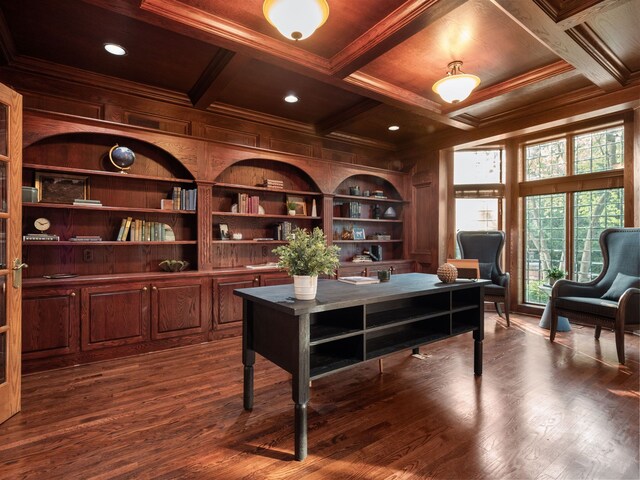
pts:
[367, 241]
[232, 186]
[109, 209]
[265, 215]
[367, 199]
[123, 176]
[376, 220]
[104, 243]
[251, 242]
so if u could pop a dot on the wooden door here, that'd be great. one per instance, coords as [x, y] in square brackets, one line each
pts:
[10, 250]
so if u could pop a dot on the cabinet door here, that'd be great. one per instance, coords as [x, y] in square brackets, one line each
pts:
[50, 322]
[269, 279]
[114, 315]
[177, 308]
[227, 307]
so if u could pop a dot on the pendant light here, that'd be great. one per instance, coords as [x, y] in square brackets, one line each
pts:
[456, 86]
[296, 19]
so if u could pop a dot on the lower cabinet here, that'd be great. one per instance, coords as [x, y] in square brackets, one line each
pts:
[114, 315]
[227, 306]
[50, 322]
[178, 308]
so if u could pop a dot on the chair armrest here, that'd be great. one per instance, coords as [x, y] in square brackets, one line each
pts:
[629, 306]
[569, 288]
[501, 279]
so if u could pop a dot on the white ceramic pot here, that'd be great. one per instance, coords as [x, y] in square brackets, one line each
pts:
[305, 287]
[292, 213]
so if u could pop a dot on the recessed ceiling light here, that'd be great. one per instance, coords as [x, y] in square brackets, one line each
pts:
[291, 98]
[393, 128]
[115, 49]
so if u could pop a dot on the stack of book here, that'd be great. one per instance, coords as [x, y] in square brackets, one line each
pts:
[184, 199]
[359, 280]
[85, 202]
[351, 210]
[248, 204]
[86, 238]
[40, 237]
[136, 230]
[273, 184]
[282, 230]
[361, 259]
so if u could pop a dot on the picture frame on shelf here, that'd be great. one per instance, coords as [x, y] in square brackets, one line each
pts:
[358, 233]
[301, 205]
[61, 188]
[223, 228]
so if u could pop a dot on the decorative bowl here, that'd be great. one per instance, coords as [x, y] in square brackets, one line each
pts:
[173, 265]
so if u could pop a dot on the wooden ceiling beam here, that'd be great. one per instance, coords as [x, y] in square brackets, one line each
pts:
[404, 22]
[493, 92]
[340, 119]
[544, 29]
[224, 66]
[403, 99]
[570, 14]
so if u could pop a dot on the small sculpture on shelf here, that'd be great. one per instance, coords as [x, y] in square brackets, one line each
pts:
[173, 265]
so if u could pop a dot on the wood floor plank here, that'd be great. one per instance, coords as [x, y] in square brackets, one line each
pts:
[540, 410]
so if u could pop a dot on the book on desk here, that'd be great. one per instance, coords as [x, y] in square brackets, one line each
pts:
[358, 280]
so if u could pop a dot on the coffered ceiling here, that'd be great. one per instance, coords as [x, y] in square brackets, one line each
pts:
[372, 64]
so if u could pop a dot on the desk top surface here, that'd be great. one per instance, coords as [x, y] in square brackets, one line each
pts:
[333, 294]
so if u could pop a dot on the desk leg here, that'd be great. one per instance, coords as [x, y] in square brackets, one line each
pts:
[300, 387]
[477, 352]
[248, 355]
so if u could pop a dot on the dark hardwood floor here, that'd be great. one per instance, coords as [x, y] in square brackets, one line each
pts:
[548, 411]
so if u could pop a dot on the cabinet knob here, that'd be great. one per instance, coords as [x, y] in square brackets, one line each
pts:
[73, 294]
[256, 280]
[154, 288]
[144, 289]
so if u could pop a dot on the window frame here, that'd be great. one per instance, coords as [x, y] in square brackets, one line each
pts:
[567, 185]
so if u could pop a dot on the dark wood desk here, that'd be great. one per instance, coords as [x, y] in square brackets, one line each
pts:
[349, 324]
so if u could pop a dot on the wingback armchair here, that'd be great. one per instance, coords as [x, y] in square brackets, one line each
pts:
[612, 300]
[487, 246]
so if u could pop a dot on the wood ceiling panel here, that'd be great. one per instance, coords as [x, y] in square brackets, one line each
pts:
[619, 29]
[73, 33]
[375, 124]
[262, 87]
[528, 96]
[347, 20]
[487, 41]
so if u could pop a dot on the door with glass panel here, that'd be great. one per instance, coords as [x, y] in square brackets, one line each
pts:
[10, 250]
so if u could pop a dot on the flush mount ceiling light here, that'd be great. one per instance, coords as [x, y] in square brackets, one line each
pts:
[296, 19]
[115, 49]
[291, 98]
[393, 128]
[456, 86]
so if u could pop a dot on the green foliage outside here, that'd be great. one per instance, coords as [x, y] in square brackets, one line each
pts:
[308, 253]
[593, 210]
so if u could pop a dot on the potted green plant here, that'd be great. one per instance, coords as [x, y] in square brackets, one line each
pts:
[291, 208]
[554, 274]
[305, 257]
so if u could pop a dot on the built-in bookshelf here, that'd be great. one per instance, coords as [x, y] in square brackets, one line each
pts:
[368, 220]
[70, 166]
[250, 214]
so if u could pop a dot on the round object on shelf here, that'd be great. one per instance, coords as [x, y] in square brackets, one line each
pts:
[121, 157]
[42, 224]
[447, 273]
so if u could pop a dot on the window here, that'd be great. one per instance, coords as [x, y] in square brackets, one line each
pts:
[563, 219]
[478, 177]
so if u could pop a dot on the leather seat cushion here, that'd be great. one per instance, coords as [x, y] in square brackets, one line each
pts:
[494, 290]
[594, 306]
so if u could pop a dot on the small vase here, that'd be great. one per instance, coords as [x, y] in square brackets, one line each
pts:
[292, 213]
[305, 286]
